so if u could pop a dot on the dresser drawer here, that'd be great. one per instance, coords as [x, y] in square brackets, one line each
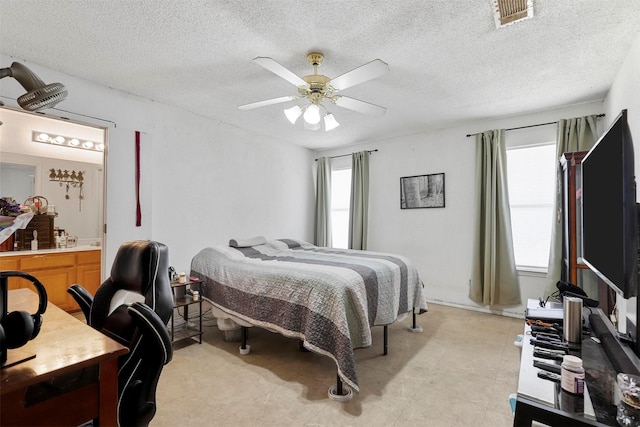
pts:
[37, 262]
[88, 257]
[9, 263]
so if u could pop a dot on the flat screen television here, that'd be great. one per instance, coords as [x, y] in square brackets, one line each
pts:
[609, 209]
[610, 241]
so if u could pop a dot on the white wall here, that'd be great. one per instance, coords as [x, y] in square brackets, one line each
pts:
[439, 241]
[203, 182]
[625, 94]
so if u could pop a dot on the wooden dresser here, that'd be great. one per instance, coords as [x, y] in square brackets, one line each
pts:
[57, 269]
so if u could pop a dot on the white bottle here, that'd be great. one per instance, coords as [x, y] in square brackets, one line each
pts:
[34, 242]
[572, 374]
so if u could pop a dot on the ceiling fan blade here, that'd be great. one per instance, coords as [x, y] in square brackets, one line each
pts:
[359, 106]
[268, 102]
[279, 70]
[366, 72]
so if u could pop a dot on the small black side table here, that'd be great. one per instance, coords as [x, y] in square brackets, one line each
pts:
[184, 301]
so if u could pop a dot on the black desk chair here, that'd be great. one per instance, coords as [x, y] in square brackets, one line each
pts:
[140, 273]
[133, 307]
[138, 375]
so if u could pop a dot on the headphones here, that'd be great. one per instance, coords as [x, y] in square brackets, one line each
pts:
[19, 327]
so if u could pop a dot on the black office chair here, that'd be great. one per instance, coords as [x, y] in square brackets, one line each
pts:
[140, 371]
[139, 274]
[133, 307]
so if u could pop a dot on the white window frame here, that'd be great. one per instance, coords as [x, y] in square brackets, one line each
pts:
[531, 269]
[339, 164]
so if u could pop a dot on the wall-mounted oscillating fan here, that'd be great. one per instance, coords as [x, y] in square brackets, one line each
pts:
[315, 88]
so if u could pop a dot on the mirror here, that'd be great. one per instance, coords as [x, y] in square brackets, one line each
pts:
[17, 181]
[69, 179]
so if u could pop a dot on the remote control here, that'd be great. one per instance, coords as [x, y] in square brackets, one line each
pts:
[551, 367]
[546, 337]
[548, 354]
[549, 376]
[549, 345]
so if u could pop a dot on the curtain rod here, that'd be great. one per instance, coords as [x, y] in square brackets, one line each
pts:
[345, 155]
[530, 126]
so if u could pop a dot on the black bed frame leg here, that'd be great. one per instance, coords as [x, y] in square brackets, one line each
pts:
[386, 340]
[244, 347]
[414, 326]
[340, 393]
[244, 337]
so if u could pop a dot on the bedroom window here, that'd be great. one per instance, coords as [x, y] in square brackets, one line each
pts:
[340, 201]
[531, 172]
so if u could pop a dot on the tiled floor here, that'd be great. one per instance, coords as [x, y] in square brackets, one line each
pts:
[458, 372]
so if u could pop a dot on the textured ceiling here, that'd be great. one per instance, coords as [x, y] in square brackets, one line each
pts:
[448, 63]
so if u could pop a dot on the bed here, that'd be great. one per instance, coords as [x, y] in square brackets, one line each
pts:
[328, 298]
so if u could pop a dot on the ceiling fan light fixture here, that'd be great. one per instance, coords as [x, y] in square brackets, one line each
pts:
[293, 113]
[312, 114]
[316, 88]
[330, 122]
[312, 126]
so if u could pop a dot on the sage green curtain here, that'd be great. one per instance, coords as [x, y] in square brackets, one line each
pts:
[577, 134]
[359, 207]
[494, 279]
[323, 203]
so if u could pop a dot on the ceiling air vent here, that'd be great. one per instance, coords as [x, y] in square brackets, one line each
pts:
[507, 12]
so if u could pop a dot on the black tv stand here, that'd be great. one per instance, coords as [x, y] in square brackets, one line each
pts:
[544, 401]
[615, 350]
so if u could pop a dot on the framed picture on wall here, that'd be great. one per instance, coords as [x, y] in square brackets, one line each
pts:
[422, 191]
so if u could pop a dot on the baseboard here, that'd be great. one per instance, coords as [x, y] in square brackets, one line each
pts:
[505, 313]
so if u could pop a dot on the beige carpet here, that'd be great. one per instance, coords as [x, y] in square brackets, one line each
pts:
[458, 372]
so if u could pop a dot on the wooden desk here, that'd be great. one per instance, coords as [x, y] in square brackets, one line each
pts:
[72, 379]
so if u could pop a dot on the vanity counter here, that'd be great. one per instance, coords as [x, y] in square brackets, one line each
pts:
[57, 269]
[50, 251]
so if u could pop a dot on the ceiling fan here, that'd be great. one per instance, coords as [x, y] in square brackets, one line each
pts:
[315, 88]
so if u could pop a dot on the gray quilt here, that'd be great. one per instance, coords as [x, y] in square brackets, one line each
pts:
[329, 298]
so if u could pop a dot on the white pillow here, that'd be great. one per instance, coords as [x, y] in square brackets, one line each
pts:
[247, 243]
